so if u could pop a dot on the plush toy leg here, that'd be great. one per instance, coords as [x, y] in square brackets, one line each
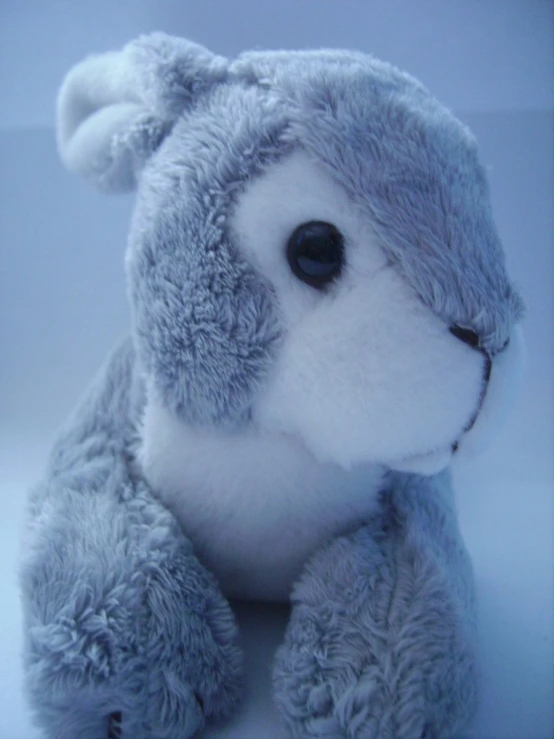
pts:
[126, 634]
[381, 640]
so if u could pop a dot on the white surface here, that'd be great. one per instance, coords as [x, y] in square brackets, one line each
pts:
[62, 300]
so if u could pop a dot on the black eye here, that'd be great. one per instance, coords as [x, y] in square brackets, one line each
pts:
[316, 253]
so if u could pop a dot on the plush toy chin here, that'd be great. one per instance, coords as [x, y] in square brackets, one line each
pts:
[425, 464]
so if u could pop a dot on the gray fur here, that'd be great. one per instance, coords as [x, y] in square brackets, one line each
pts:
[133, 99]
[204, 322]
[397, 596]
[119, 613]
[414, 168]
[189, 285]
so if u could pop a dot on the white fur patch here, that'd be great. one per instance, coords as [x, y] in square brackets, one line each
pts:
[502, 392]
[367, 373]
[289, 193]
[255, 506]
[367, 378]
[97, 103]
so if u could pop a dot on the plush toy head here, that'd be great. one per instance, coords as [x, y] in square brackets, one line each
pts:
[312, 250]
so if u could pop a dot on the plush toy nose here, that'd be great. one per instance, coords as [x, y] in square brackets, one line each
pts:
[505, 368]
[466, 335]
[472, 339]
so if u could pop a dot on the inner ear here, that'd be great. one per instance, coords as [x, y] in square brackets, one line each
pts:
[105, 132]
[115, 109]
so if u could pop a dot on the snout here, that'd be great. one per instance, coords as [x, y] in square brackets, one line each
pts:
[501, 390]
[374, 377]
[502, 374]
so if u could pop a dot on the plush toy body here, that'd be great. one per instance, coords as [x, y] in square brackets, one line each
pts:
[321, 320]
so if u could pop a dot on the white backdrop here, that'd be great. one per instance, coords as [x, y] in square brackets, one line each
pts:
[62, 302]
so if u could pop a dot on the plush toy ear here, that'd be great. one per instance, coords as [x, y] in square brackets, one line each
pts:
[115, 109]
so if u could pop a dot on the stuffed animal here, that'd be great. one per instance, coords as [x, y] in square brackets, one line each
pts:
[321, 322]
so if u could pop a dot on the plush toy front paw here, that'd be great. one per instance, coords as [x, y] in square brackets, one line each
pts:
[135, 640]
[379, 646]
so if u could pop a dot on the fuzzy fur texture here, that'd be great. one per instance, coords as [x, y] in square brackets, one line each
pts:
[120, 615]
[236, 497]
[249, 407]
[381, 639]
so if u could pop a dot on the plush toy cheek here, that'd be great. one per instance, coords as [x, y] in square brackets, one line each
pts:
[502, 392]
[372, 376]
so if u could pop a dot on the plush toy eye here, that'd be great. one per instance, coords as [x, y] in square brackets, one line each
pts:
[316, 253]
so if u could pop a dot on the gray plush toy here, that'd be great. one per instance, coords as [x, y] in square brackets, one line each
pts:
[321, 319]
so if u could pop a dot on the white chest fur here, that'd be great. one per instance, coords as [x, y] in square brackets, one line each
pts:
[255, 507]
